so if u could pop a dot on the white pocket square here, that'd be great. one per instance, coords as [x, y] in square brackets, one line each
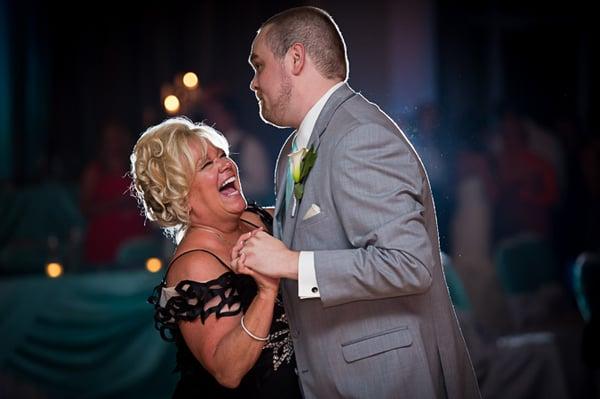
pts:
[314, 210]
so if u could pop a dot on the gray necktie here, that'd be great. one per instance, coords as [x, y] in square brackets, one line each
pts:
[289, 184]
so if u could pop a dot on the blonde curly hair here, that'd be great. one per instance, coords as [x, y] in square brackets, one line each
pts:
[162, 169]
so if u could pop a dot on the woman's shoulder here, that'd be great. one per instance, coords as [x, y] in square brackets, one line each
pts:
[197, 285]
[259, 216]
[253, 218]
[197, 264]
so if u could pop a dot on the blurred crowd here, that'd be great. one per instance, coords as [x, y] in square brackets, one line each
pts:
[94, 223]
[517, 201]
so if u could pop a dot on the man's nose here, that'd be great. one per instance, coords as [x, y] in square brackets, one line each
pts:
[253, 84]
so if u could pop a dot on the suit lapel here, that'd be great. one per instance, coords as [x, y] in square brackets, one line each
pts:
[280, 177]
[338, 97]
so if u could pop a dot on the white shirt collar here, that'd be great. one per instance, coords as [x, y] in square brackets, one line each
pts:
[308, 123]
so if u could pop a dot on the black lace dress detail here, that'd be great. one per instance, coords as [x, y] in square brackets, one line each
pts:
[190, 300]
[273, 375]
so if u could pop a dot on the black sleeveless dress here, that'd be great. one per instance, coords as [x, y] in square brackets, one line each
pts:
[273, 376]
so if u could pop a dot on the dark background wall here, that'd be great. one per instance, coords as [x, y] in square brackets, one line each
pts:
[66, 69]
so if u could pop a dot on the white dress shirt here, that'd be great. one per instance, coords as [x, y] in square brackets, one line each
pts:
[307, 278]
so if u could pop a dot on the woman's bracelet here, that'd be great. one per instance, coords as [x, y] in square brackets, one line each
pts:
[250, 334]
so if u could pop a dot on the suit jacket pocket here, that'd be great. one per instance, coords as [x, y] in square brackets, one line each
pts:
[313, 220]
[375, 344]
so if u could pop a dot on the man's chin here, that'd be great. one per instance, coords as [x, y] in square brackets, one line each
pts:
[268, 119]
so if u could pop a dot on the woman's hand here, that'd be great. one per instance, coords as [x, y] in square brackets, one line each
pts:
[266, 285]
[260, 252]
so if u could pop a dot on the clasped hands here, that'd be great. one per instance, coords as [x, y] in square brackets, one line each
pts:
[260, 255]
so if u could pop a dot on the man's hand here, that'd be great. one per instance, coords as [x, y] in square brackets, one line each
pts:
[259, 252]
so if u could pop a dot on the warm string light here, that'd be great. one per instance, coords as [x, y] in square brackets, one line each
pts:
[153, 265]
[190, 80]
[182, 95]
[171, 104]
[54, 269]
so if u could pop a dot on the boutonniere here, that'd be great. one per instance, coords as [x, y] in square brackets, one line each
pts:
[301, 162]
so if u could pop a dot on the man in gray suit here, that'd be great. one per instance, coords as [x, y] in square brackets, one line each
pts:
[362, 281]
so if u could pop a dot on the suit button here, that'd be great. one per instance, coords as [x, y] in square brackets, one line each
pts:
[314, 290]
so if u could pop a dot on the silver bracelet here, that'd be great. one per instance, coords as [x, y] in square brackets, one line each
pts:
[250, 334]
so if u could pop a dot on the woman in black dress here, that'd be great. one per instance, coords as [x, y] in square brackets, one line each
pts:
[230, 330]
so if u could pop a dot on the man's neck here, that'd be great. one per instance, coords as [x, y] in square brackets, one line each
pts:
[309, 97]
[307, 125]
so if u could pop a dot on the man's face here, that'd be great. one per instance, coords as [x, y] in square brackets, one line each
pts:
[271, 83]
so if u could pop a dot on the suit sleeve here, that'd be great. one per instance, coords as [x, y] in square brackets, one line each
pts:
[377, 189]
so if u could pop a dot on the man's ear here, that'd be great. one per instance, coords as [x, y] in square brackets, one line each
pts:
[298, 58]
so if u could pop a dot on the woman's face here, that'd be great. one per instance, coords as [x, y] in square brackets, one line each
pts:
[216, 193]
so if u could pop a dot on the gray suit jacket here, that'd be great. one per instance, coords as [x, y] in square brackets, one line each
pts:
[384, 326]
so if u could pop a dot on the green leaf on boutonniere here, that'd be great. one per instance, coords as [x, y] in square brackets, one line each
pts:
[298, 190]
[308, 161]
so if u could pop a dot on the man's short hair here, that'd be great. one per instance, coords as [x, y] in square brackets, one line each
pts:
[316, 30]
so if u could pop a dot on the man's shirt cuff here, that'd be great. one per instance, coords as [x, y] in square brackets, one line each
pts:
[307, 277]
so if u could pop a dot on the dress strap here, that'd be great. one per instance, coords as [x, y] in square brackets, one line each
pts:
[195, 250]
[265, 216]
[250, 223]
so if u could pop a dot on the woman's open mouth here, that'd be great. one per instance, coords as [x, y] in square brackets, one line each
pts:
[227, 188]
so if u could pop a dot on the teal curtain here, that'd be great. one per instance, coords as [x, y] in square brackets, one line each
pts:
[32, 217]
[24, 70]
[5, 96]
[85, 336]
[35, 125]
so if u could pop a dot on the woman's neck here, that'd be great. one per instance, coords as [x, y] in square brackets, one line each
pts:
[227, 236]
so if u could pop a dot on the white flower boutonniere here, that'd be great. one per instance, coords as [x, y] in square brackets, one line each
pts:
[301, 162]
